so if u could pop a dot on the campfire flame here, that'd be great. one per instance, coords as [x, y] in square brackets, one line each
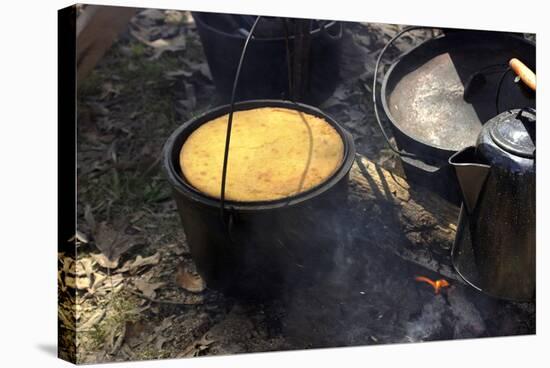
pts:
[437, 285]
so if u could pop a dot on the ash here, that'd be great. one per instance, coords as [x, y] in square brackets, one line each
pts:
[370, 296]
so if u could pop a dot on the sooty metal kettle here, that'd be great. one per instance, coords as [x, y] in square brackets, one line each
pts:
[494, 248]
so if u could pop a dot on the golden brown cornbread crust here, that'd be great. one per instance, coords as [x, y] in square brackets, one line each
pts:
[274, 153]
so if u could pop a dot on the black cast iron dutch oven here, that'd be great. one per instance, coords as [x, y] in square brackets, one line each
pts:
[260, 249]
[438, 95]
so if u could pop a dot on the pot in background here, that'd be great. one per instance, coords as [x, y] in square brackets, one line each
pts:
[264, 73]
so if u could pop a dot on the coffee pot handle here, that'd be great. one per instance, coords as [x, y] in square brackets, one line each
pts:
[525, 74]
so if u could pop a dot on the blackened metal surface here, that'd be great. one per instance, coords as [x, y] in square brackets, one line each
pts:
[515, 133]
[435, 176]
[424, 90]
[265, 70]
[438, 95]
[263, 247]
[498, 254]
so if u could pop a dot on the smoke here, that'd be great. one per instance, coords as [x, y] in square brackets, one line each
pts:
[367, 295]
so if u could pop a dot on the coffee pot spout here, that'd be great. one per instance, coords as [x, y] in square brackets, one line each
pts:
[471, 174]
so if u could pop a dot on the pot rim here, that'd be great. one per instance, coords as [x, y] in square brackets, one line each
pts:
[204, 24]
[383, 91]
[178, 183]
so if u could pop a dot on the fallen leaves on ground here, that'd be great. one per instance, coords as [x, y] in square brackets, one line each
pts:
[105, 262]
[84, 267]
[79, 238]
[139, 262]
[196, 347]
[162, 45]
[93, 320]
[116, 338]
[114, 242]
[83, 283]
[148, 289]
[104, 284]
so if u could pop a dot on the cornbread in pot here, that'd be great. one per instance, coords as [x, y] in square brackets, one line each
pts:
[274, 153]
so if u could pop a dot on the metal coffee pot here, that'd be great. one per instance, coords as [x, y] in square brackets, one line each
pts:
[494, 248]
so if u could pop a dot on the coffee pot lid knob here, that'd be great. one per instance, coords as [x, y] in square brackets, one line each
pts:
[514, 132]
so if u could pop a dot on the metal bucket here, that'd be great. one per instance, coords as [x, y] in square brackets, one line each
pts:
[264, 247]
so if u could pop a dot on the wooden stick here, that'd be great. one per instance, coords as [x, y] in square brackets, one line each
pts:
[96, 29]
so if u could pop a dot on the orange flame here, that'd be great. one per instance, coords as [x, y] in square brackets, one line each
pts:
[437, 285]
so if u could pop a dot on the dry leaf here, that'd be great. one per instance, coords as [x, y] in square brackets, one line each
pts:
[115, 339]
[196, 347]
[161, 45]
[134, 329]
[153, 14]
[104, 284]
[109, 91]
[68, 265]
[146, 288]
[93, 320]
[113, 243]
[189, 281]
[78, 238]
[99, 278]
[158, 332]
[139, 214]
[140, 262]
[89, 217]
[60, 281]
[105, 262]
[201, 67]
[174, 16]
[176, 74]
[66, 317]
[83, 283]
[205, 70]
[84, 267]
[70, 282]
[175, 44]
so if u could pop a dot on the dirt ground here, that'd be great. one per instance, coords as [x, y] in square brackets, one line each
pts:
[137, 292]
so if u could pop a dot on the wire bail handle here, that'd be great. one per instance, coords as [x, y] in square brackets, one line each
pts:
[374, 100]
[223, 207]
[230, 121]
